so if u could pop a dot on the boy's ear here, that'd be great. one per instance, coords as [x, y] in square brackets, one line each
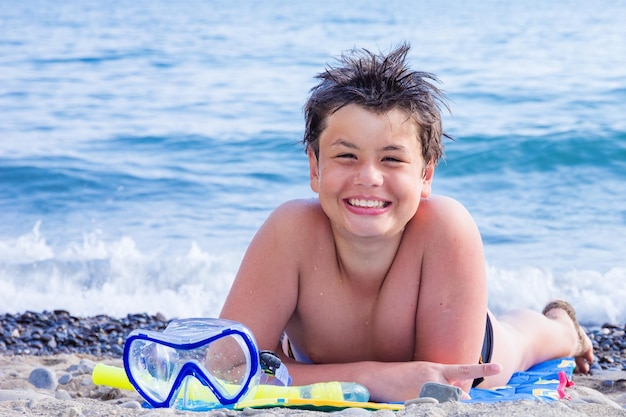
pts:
[314, 170]
[427, 180]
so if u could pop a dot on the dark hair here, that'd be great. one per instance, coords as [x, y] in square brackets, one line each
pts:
[378, 83]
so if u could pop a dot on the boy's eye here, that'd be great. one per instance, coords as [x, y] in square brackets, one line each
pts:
[391, 159]
[346, 155]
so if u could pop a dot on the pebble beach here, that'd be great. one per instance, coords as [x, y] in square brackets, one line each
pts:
[46, 361]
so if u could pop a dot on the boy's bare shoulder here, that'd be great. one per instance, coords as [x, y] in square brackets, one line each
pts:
[302, 210]
[298, 216]
[443, 205]
[443, 214]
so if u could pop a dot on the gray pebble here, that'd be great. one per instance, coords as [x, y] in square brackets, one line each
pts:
[131, 404]
[442, 392]
[62, 395]
[73, 369]
[607, 383]
[65, 379]
[86, 366]
[353, 412]
[32, 403]
[43, 378]
[595, 368]
[421, 400]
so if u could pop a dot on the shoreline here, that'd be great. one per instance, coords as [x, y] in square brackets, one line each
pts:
[63, 349]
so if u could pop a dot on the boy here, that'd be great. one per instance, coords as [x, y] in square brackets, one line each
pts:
[377, 281]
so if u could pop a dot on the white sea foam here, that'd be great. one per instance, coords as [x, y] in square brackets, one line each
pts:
[597, 297]
[114, 278]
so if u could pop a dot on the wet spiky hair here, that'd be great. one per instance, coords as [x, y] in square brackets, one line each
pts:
[379, 83]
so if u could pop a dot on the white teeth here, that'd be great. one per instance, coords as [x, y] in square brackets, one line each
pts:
[366, 203]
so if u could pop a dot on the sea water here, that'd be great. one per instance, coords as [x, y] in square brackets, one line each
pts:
[143, 143]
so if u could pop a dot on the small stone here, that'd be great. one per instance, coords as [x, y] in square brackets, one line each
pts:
[595, 368]
[421, 400]
[62, 395]
[117, 350]
[442, 392]
[353, 412]
[43, 378]
[607, 359]
[607, 383]
[131, 404]
[65, 378]
[73, 369]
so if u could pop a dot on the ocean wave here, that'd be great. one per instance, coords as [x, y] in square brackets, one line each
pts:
[544, 153]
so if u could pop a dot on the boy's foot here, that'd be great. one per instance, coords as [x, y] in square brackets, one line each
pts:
[584, 351]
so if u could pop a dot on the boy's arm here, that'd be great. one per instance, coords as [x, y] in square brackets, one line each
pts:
[391, 381]
[452, 304]
[264, 293]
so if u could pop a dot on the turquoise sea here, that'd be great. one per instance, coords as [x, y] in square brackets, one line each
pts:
[142, 143]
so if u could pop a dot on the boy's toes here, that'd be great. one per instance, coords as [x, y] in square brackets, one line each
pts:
[586, 356]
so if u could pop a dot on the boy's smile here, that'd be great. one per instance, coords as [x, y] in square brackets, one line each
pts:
[370, 173]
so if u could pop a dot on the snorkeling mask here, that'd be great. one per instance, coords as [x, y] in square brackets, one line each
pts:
[193, 364]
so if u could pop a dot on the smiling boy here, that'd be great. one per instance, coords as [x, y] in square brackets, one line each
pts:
[378, 281]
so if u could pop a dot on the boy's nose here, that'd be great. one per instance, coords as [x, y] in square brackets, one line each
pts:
[368, 175]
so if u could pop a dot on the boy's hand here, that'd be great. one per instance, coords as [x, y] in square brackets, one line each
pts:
[403, 381]
[459, 374]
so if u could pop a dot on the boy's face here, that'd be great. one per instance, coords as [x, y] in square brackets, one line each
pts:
[370, 174]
